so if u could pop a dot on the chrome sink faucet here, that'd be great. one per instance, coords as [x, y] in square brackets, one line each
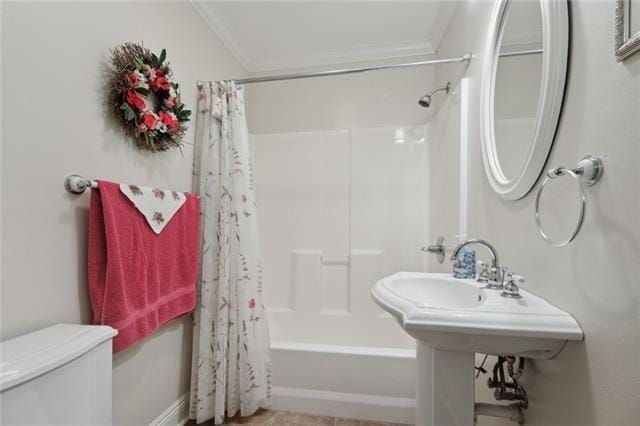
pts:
[496, 274]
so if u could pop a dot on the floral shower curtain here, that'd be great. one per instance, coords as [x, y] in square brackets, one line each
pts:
[231, 370]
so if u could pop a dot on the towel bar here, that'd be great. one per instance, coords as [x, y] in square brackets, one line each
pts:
[76, 184]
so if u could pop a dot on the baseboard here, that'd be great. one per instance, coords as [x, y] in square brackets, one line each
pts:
[310, 401]
[348, 405]
[176, 415]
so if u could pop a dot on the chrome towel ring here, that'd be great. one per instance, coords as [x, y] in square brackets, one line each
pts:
[586, 173]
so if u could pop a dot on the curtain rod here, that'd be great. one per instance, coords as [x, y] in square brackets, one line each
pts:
[466, 59]
[521, 52]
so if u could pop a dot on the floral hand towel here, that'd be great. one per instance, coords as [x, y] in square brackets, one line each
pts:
[157, 205]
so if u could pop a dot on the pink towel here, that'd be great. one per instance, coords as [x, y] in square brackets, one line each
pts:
[139, 280]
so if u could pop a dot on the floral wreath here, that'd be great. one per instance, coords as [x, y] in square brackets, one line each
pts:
[145, 99]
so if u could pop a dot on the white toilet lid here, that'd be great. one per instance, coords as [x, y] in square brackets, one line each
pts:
[31, 355]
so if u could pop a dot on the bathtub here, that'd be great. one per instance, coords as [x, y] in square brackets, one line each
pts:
[351, 360]
[358, 382]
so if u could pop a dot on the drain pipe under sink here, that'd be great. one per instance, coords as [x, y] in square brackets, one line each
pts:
[512, 412]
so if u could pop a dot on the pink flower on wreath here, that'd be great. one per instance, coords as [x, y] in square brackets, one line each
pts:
[149, 120]
[252, 303]
[160, 83]
[169, 119]
[135, 100]
[142, 128]
[170, 103]
[135, 79]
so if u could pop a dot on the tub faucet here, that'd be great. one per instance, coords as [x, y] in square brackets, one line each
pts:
[496, 273]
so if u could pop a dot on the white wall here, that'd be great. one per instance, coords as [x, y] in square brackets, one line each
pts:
[382, 98]
[594, 382]
[54, 54]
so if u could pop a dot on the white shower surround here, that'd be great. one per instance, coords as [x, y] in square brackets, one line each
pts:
[338, 211]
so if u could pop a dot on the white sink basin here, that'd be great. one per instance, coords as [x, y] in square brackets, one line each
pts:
[451, 314]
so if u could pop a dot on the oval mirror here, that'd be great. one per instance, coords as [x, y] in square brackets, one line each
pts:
[522, 91]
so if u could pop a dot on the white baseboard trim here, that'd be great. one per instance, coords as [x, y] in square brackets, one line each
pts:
[348, 405]
[176, 415]
[310, 401]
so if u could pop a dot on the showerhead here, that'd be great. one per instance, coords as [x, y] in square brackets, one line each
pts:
[425, 100]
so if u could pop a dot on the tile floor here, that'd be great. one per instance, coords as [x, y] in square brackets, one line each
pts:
[284, 418]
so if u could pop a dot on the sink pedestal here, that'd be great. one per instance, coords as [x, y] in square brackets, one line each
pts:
[445, 394]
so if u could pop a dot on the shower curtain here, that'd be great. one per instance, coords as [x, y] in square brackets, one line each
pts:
[231, 370]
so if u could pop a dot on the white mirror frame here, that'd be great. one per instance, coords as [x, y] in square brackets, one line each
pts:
[555, 39]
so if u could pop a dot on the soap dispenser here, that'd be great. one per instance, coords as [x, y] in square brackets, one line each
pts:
[465, 265]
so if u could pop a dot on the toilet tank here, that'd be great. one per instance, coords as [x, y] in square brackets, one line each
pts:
[57, 375]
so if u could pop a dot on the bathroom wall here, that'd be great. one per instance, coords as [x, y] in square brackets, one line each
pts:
[383, 98]
[54, 123]
[594, 382]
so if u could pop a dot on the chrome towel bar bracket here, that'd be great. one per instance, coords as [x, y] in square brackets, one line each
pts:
[76, 184]
[587, 172]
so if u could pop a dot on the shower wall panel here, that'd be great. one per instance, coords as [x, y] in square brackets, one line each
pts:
[339, 210]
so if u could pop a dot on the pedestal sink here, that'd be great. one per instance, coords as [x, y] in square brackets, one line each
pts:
[452, 319]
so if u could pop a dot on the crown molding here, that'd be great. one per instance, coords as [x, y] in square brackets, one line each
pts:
[344, 55]
[212, 16]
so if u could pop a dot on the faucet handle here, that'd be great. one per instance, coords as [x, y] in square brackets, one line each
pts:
[511, 288]
[483, 272]
[504, 276]
[495, 278]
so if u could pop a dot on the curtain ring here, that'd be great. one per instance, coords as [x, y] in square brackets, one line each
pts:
[552, 174]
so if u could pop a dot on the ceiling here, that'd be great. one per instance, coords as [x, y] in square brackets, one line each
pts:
[277, 35]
